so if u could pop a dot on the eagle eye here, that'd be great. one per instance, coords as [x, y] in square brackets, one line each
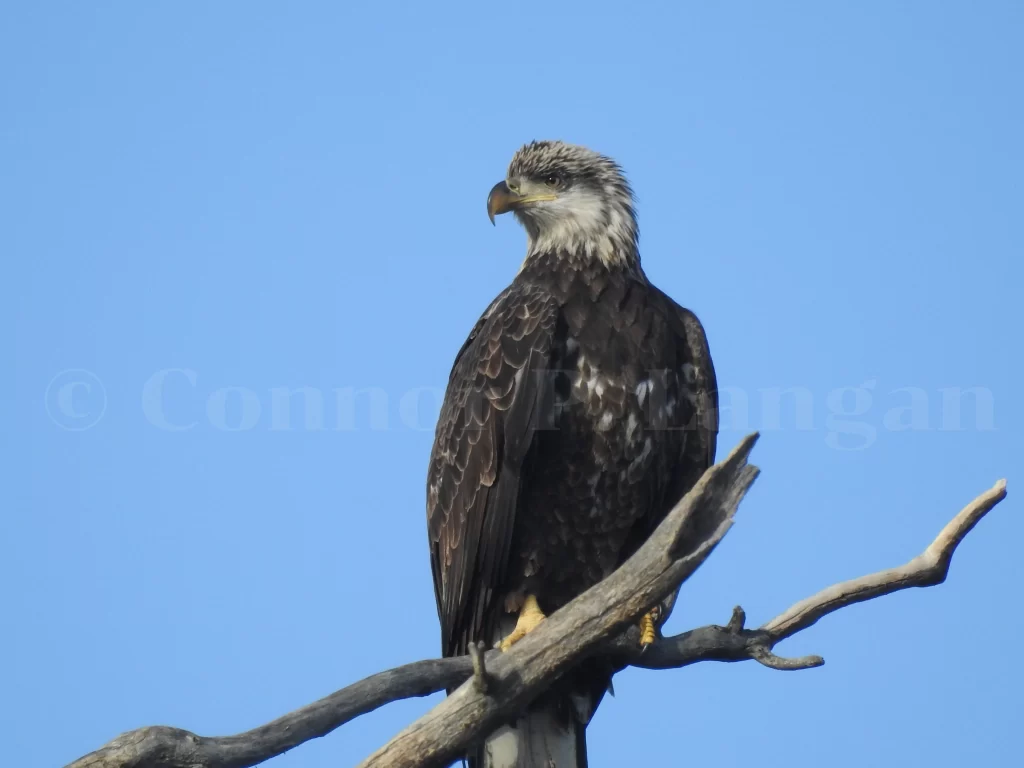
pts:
[553, 180]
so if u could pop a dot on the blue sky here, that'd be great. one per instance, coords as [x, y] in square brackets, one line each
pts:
[206, 206]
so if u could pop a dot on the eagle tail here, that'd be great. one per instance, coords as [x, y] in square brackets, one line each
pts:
[553, 730]
[541, 738]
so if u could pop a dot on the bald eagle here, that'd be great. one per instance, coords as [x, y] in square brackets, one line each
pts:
[582, 406]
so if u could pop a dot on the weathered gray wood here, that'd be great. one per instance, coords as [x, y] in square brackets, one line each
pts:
[675, 550]
[164, 747]
[926, 570]
[597, 622]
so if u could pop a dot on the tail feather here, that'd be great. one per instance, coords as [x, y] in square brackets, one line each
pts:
[539, 739]
[552, 733]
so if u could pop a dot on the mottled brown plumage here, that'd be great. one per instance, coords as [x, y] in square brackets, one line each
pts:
[579, 410]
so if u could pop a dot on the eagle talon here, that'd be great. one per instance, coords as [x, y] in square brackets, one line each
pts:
[648, 630]
[529, 618]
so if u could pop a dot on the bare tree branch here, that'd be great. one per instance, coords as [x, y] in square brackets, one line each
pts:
[682, 541]
[734, 643]
[481, 681]
[926, 570]
[501, 683]
[164, 747]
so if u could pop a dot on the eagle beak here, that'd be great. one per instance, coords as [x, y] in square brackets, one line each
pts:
[502, 200]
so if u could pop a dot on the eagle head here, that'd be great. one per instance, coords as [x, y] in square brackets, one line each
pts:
[570, 200]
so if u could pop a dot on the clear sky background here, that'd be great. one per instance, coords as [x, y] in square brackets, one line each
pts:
[204, 204]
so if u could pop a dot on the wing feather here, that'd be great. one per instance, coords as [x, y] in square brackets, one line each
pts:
[696, 373]
[687, 404]
[495, 393]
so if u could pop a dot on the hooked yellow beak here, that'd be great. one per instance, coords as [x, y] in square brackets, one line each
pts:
[502, 200]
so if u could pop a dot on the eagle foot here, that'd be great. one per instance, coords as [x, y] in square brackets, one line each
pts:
[530, 616]
[648, 627]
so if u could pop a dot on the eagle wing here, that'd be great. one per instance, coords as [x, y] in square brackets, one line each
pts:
[698, 376]
[696, 391]
[497, 391]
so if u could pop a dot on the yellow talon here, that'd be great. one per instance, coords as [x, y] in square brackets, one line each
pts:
[648, 632]
[529, 617]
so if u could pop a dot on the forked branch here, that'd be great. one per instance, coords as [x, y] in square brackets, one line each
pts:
[496, 685]
[734, 643]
